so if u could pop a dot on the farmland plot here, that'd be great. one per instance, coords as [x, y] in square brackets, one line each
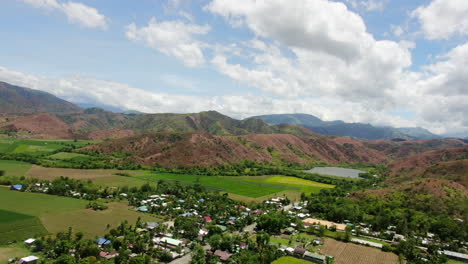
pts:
[348, 253]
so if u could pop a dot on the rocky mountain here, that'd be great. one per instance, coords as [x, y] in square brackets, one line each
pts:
[20, 100]
[340, 128]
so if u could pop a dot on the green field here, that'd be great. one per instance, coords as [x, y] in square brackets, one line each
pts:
[66, 156]
[56, 214]
[14, 168]
[36, 146]
[290, 260]
[14, 251]
[16, 226]
[249, 186]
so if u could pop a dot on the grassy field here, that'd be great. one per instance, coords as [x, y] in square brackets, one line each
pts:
[236, 185]
[290, 260]
[103, 177]
[16, 226]
[66, 156]
[58, 213]
[348, 253]
[35, 146]
[14, 168]
[14, 251]
[452, 261]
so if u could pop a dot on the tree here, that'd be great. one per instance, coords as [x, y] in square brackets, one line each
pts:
[215, 241]
[198, 255]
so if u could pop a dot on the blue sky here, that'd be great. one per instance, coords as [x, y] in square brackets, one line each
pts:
[400, 63]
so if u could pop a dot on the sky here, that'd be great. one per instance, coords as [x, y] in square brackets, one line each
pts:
[385, 62]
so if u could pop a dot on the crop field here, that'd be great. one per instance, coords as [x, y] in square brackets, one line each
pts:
[290, 260]
[246, 188]
[97, 175]
[234, 185]
[16, 226]
[348, 253]
[304, 185]
[14, 168]
[56, 213]
[35, 147]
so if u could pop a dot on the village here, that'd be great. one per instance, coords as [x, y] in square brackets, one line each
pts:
[198, 226]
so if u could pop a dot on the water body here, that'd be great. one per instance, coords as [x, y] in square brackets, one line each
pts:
[335, 171]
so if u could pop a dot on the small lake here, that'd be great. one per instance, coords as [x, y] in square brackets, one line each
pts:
[335, 171]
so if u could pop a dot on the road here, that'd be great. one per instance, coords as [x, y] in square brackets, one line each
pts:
[188, 257]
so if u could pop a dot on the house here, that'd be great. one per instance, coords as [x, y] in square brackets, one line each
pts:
[207, 219]
[223, 255]
[311, 221]
[317, 241]
[289, 230]
[203, 232]
[143, 208]
[151, 225]
[16, 187]
[456, 255]
[170, 242]
[223, 228]
[103, 241]
[299, 252]
[108, 255]
[29, 241]
[29, 260]
[315, 258]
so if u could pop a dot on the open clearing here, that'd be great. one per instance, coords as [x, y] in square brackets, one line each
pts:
[12, 252]
[290, 260]
[35, 147]
[58, 213]
[14, 168]
[348, 253]
[93, 222]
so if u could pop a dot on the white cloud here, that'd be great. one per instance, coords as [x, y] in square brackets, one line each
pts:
[77, 13]
[175, 38]
[442, 19]
[333, 54]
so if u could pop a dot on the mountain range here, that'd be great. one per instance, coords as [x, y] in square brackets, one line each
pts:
[341, 128]
[18, 101]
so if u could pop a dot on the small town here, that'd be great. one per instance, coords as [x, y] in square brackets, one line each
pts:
[203, 227]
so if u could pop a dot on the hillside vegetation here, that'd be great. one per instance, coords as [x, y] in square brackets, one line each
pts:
[15, 99]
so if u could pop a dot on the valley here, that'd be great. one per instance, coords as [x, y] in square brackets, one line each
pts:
[191, 176]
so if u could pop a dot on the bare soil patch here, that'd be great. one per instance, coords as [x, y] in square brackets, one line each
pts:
[348, 253]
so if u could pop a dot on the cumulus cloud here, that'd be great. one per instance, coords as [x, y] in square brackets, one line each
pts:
[442, 19]
[77, 13]
[175, 38]
[332, 52]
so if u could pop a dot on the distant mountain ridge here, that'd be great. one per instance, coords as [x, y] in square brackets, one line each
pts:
[20, 100]
[341, 128]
